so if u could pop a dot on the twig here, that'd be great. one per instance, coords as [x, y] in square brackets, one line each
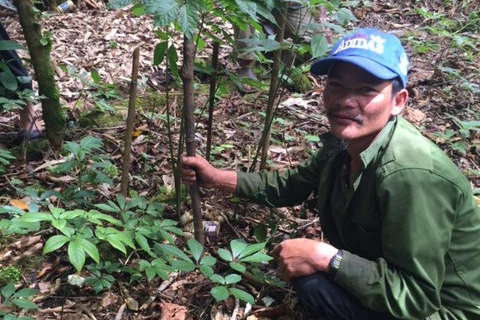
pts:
[130, 122]
[229, 224]
[120, 312]
[235, 311]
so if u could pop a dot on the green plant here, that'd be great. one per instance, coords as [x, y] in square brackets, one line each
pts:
[9, 274]
[5, 158]
[459, 139]
[13, 223]
[86, 161]
[101, 281]
[13, 300]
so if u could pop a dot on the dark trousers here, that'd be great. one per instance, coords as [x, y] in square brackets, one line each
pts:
[321, 297]
[13, 61]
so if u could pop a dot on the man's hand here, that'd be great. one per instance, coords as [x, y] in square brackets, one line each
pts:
[302, 257]
[197, 169]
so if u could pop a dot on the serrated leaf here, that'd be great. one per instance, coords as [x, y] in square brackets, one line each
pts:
[242, 295]
[55, 242]
[319, 45]
[248, 7]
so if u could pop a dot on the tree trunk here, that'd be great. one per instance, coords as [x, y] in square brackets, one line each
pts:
[189, 116]
[40, 56]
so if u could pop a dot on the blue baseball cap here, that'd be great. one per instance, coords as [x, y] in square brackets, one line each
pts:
[377, 52]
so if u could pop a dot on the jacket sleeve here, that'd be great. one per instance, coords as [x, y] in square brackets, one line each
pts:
[281, 188]
[418, 211]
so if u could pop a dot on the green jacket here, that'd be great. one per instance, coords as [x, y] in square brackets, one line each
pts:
[408, 223]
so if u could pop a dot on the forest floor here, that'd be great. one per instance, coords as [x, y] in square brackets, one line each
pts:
[444, 88]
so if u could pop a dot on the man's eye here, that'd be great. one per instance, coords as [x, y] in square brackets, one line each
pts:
[333, 84]
[367, 89]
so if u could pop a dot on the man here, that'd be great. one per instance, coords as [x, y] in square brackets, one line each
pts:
[402, 227]
[11, 60]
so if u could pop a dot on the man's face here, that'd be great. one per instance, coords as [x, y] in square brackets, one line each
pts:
[358, 105]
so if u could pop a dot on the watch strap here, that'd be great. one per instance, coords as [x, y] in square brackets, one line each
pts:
[334, 263]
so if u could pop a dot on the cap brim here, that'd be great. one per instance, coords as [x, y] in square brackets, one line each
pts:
[322, 66]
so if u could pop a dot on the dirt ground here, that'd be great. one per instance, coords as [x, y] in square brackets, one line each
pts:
[440, 100]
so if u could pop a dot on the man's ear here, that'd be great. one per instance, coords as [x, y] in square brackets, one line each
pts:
[399, 102]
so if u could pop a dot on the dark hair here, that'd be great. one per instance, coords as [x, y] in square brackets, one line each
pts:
[396, 86]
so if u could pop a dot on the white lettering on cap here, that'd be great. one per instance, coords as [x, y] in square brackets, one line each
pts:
[375, 44]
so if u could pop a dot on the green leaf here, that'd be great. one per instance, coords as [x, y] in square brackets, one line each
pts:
[91, 249]
[182, 265]
[208, 261]
[242, 295]
[233, 278]
[219, 293]
[164, 11]
[237, 247]
[25, 292]
[90, 143]
[257, 258]
[24, 304]
[76, 254]
[207, 271]
[143, 242]
[95, 216]
[159, 52]
[174, 251]
[54, 243]
[251, 249]
[217, 279]
[195, 248]
[8, 290]
[36, 216]
[248, 7]
[72, 214]
[225, 254]
[237, 267]
[95, 76]
[187, 19]
[107, 208]
[319, 45]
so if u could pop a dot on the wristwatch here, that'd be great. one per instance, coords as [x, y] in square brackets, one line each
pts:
[334, 263]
